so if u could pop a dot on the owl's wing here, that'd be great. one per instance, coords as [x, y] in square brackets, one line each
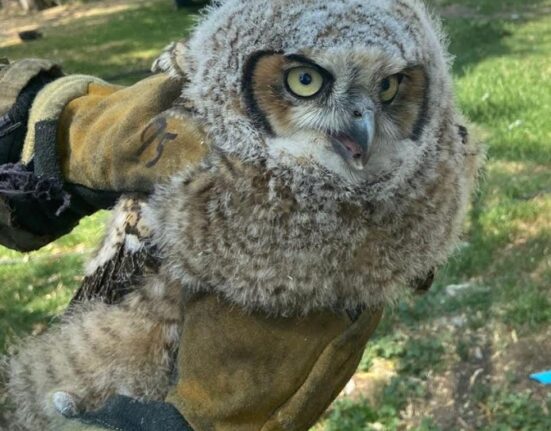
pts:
[124, 257]
[155, 148]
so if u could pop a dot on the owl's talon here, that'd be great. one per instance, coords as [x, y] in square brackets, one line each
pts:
[65, 403]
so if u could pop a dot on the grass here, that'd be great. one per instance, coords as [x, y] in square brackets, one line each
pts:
[112, 41]
[37, 286]
[457, 358]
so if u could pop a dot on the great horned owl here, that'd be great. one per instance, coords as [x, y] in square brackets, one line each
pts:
[339, 172]
[340, 168]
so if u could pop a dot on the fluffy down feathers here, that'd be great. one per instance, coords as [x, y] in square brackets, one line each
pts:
[271, 232]
[261, 228]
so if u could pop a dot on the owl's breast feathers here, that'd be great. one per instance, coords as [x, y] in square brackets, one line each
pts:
[270, 240]
[257, 237]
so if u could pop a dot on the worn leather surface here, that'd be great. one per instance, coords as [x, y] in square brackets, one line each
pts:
[244, 371]
[127, 139]
[99, 139]
[249, 372]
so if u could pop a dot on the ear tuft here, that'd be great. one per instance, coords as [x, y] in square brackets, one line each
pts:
[171, 60]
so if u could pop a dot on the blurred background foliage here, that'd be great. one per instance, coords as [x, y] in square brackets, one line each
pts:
[457, 358]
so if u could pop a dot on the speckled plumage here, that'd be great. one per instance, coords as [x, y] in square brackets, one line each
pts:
[271, 230]
[272, 218]
[109, 341]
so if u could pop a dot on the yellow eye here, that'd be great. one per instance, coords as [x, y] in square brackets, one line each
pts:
[304, 81]
[389, 88]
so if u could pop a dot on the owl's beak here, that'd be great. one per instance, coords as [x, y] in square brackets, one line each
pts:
[354, 143]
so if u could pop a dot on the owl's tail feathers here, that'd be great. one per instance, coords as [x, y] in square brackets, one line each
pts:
[7, 407]
[98, 351]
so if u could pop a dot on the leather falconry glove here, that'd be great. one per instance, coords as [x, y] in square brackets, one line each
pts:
[70, 145]
[231, 379]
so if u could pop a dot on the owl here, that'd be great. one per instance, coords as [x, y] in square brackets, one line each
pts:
[340, 167]
[338, 173]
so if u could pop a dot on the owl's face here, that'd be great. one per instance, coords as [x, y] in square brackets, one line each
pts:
[355, 113]
[338, 93]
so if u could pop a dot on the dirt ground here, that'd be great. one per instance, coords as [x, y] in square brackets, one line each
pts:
[14, 21]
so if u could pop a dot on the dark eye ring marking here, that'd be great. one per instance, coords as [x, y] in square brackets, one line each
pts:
[254, 111]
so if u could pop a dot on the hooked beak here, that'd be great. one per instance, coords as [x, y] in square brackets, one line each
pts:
[353, 144]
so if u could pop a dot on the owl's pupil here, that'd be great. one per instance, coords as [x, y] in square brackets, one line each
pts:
[305, 79]
[385, 85]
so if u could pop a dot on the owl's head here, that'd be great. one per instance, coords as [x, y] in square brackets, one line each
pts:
[345, 110]
[358, 91]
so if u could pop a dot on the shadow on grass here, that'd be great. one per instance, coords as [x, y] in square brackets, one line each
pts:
[493, 8]
[473, 41]
[116, 43]
[478, 29]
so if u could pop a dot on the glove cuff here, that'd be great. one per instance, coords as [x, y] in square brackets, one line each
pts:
[40, 141]
[41, 147]
[19, 85]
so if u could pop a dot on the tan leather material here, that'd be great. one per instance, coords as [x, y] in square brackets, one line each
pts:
[109, 137]
[105, 137]
[50, 102]
[251, 372]
[127, 139]
[16, 76]
[332, 370]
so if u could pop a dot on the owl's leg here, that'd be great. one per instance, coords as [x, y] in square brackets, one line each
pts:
[96, 352]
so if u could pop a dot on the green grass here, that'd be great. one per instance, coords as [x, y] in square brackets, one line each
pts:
[37, 286]
[461, 356]
[112, 43]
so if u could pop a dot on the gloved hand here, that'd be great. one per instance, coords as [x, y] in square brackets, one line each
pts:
[252, 372]
[21, 191]
[112, 138]
[122, 413]
[241, 371]
[78, 143]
